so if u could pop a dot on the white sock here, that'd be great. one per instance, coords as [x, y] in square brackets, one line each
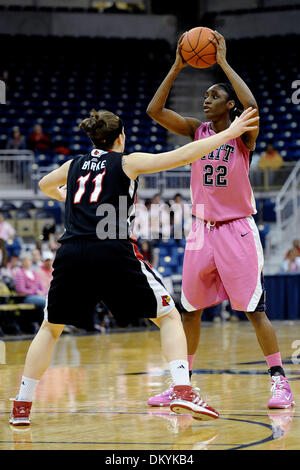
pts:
[180, 372]
[27, 389]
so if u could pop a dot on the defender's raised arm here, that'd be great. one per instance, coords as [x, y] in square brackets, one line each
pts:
[142, 163]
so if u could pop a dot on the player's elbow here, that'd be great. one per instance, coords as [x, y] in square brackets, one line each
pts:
[149, 110]
[152, 111]
[43, 184]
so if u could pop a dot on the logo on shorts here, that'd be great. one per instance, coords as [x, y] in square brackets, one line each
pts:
[244, 234]
[166, 299]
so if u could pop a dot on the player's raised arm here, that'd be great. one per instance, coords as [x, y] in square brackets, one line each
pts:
[142, 163]
[169, 119]
[50, 184]
[241, 89]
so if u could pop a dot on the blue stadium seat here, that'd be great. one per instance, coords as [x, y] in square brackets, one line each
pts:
[268, 212]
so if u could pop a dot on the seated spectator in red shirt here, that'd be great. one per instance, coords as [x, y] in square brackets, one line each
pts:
[17, 140]
[38, 140]
[45, 271]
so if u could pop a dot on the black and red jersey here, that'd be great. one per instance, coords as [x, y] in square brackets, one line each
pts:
[100, 197]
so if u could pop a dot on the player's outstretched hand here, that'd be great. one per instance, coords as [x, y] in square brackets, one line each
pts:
[244, 123]
[218, 40]
[179, 62]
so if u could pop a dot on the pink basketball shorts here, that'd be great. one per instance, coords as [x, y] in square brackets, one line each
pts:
[223, 261]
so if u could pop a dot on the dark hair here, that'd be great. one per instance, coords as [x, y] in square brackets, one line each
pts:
[238, 107]
[102, 127]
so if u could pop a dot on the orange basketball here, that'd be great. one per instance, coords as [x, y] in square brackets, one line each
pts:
[196, 48]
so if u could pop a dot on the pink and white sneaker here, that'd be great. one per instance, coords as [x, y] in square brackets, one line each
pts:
[187, 400]
[162, 399]
[282, 396]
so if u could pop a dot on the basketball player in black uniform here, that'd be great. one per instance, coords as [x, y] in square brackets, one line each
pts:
[98, 259]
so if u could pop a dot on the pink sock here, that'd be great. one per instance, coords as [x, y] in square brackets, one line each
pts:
[274, 360]
[191, 358]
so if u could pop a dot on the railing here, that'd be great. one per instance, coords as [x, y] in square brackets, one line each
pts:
[288, 206]
[17, 169]
[166, 183]
[270, 180]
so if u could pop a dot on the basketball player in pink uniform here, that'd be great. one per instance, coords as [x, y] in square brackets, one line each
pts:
[223, 257]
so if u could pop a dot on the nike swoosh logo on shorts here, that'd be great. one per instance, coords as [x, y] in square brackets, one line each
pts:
[244, 234]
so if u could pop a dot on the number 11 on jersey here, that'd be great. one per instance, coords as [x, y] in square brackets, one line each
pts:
[82, 180]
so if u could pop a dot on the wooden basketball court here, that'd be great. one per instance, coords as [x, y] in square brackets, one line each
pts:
[93, 397]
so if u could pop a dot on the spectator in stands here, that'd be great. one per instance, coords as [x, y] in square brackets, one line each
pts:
[270, 159]
[149, 253]
[8, 267]
[3, 261]
[9, 271]
[177, 216]
[49, 239]
[178, 199]
[296, 245]
[36, 259]
[3, 254]
[159, 218]
[7, 232]
[17, 140]
[292, 263]
[28, 283]
[37, 140]
[141, 225]
[157, 199]
[45, 271]
[5, 79]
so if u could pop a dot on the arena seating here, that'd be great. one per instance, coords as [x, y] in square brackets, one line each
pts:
[255, 59]
[57, 83]
[57, 89]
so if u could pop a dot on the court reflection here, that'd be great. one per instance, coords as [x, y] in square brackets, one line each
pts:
[189, 434]
[281, 421]
[22, 438]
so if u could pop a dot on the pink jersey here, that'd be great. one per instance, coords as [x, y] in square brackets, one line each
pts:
[220, 180]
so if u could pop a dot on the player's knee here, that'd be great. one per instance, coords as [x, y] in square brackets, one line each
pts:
[54, 329]
[173, 315]
[192, 316]
[257, 316]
